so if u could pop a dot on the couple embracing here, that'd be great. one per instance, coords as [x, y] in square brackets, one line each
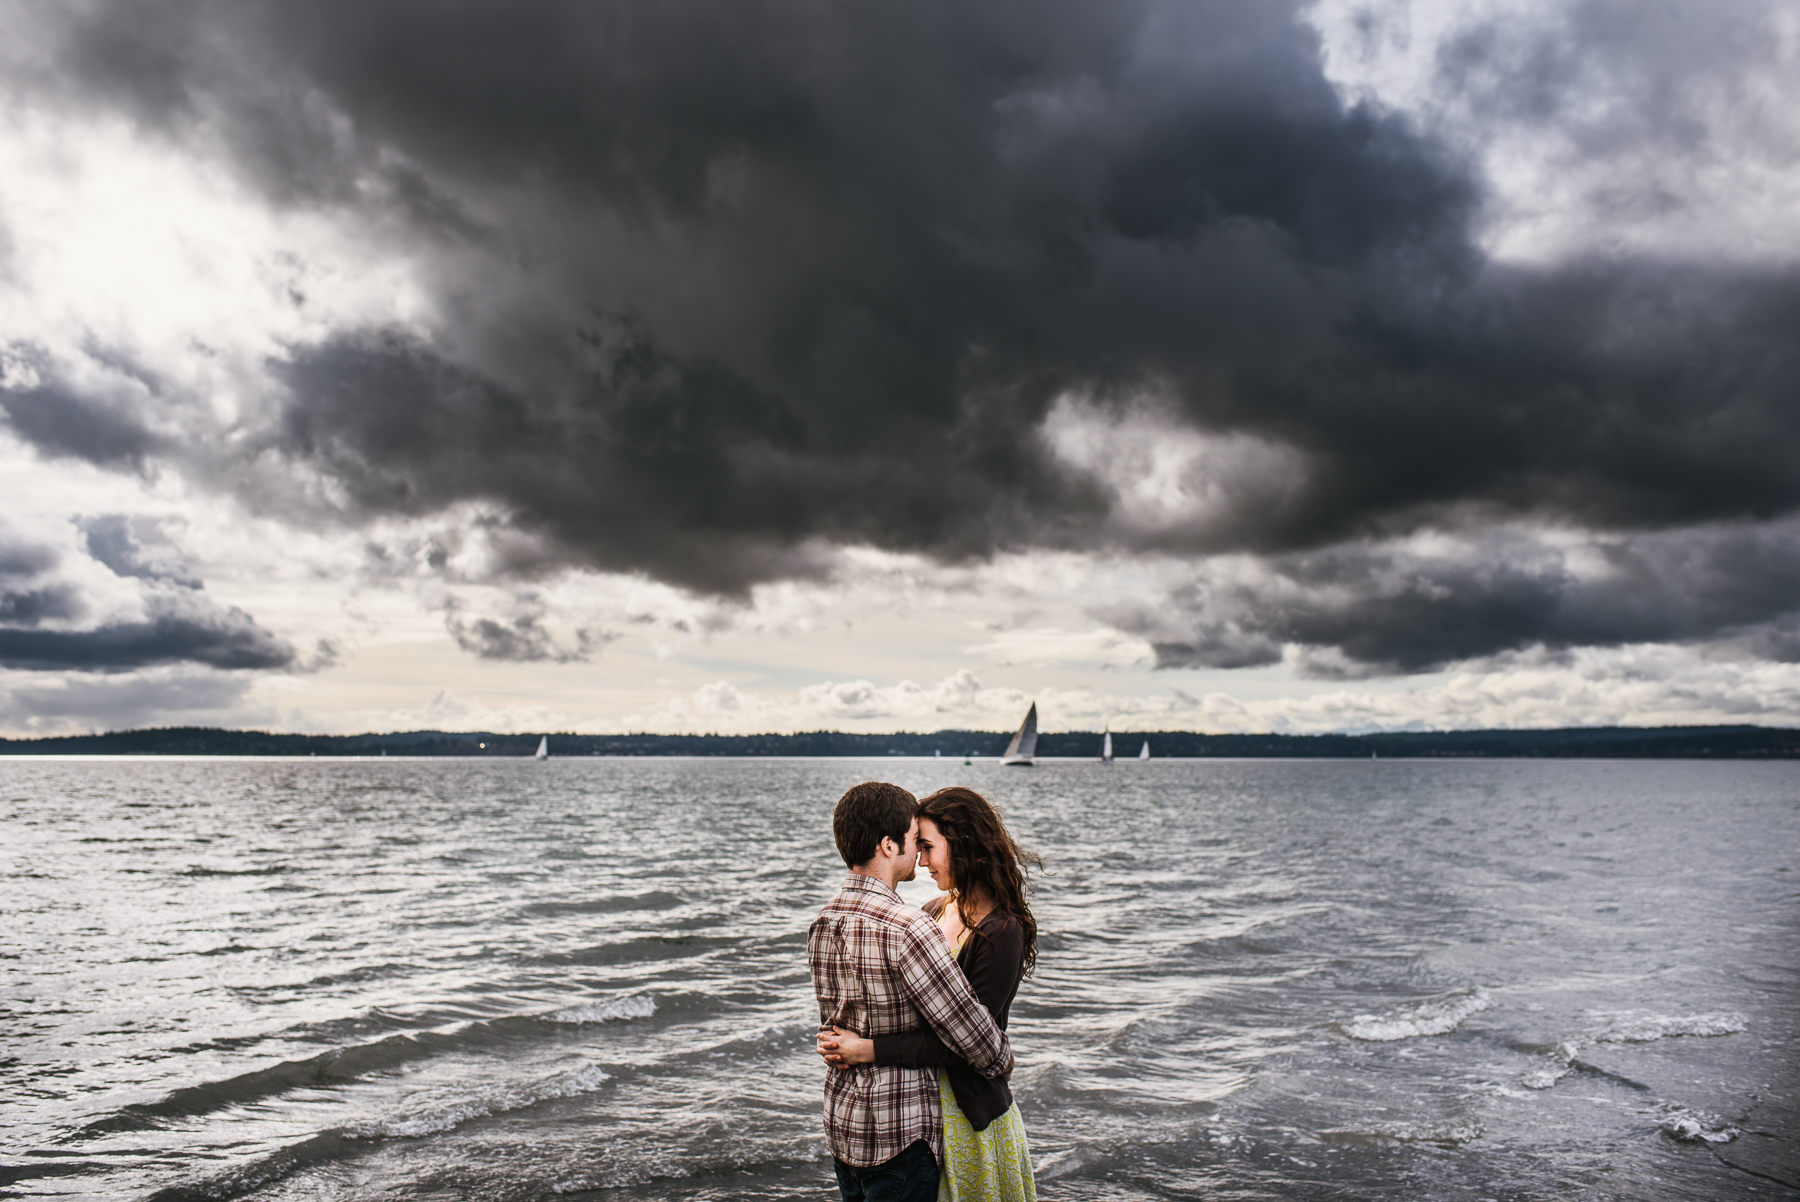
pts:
[913, 1004]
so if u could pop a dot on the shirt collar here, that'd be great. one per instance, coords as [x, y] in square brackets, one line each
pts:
[865, 882]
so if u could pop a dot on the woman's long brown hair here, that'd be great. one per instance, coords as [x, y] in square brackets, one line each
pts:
[983, 857]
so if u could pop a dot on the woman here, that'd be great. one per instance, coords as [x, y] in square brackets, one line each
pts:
[987, 922]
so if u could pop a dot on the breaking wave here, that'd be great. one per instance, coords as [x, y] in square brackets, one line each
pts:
[430, 1115]
[1628, 1027]
[1450, 1134]
[1646, 1028]
[636, 1006]
[1696, 1126]
[1434, 1016]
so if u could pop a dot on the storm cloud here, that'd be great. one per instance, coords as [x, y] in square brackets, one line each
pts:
[1422, 604]
[716, 288]
[132, 606]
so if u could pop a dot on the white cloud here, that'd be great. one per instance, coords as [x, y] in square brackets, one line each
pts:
[1165, 478]
[1603, 129]
[1050, 645]
[147, 253]
[37, 703]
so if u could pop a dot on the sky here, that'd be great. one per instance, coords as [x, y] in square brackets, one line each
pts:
[772, 365]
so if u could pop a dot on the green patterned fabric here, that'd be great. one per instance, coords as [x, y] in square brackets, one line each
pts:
[983, 1166]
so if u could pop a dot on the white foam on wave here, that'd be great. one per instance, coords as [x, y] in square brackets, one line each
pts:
[1628, 1027]
[1434, 1016]
[1450, 1133]
[1562, 1064]
[637, 1006]
[432, 1114]
[1696, 1126]
[1061, 1164]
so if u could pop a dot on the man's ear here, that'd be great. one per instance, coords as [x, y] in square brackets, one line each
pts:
[887, 841]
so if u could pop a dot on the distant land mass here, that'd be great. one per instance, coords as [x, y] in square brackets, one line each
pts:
[1598, 742]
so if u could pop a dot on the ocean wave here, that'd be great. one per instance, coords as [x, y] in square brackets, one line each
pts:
[641, 1166]
[202, 870]
[432, 1115]
[1562, 1064]
[348, 1063]
[1434, 1016]
[1069, 1160]
[637, 1006]
[1452, 1133]
[326, 1069]
[421, 1116]
[1629, 1027]
[1625, 1026]
[655, 900]
[1696, 1126]
[264, 1171]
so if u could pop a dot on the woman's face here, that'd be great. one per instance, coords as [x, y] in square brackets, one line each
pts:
[934, 854]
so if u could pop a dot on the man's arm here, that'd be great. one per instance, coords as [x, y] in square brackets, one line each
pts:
[939, 991]
[991, 963]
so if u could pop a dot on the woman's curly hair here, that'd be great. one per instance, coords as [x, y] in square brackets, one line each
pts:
[983, 857]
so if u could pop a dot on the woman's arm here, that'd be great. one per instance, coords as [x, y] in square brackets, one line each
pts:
[993, 960]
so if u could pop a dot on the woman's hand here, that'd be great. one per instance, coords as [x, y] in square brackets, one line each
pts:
[841, 1048]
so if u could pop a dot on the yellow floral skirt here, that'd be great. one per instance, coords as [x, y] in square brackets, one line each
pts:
[991, 1165]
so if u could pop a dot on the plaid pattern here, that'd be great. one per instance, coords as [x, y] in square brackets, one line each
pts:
[880, 967]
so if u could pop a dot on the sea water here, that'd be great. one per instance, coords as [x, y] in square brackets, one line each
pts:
[586, 978]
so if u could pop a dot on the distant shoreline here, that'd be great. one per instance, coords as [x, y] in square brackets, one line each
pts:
[1612, 742]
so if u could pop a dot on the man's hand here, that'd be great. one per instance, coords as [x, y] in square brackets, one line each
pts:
[841, 1049]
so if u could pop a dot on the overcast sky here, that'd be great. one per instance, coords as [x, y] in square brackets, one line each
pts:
[887, 364]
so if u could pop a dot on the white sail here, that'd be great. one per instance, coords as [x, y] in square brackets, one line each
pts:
[1106, 749]
[1024, 744]
[543, 751]
[1145, 753]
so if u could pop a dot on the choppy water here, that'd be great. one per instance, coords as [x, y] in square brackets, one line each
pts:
[409, 979]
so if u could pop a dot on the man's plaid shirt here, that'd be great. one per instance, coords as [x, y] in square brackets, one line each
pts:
[880, 967]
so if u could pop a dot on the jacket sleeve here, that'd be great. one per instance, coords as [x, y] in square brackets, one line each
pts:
[993, 962]
[918, 1048]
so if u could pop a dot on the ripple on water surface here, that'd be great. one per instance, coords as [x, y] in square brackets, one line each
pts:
[497, 980]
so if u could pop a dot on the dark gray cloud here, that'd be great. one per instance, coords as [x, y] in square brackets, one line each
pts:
[63, 421]
[46, 616]
[220, 639]
[520, 636]
[1363, 610]
[726, 283]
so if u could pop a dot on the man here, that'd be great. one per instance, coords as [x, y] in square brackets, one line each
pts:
[880, 967]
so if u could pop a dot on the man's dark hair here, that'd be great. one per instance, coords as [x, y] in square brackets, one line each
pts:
[869, 813]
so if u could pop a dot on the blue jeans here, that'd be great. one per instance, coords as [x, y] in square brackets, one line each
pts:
[911, 1176]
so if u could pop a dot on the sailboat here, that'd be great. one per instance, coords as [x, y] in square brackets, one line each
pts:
[543, 751]
[1106, 748]
[1145, 753]
[1024, 744]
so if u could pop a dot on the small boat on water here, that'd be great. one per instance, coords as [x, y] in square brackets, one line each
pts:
[543, 751]
[1023, 747]
[1145, 753]
[1106, 749]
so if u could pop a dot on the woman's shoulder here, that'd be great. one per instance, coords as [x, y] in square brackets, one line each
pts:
[935, 906]
[1000, 925]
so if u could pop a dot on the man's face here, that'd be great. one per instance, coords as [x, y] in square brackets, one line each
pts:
[909, 854]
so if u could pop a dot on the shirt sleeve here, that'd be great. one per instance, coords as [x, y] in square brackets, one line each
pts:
[941, 994]
[992, 963]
